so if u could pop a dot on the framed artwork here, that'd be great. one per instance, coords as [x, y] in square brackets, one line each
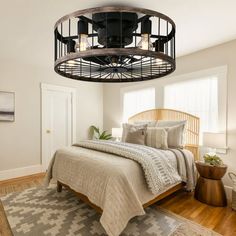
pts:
[7, 106]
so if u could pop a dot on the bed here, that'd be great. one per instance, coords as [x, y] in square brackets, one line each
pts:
[117, 181]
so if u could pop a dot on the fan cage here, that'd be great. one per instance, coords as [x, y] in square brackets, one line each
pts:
[126, 62]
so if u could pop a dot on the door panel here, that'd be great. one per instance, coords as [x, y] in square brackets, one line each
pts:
[57, 122]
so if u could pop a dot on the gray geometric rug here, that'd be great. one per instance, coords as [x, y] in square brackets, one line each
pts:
[38, 211]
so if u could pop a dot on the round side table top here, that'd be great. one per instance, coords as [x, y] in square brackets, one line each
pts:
[209, 171]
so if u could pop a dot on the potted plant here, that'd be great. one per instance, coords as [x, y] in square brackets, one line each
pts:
[97, 134]
[212, 159]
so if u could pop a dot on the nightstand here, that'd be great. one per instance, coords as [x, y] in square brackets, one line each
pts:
[209, 188]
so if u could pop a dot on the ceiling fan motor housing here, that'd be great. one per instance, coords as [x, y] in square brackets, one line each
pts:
[115, 29]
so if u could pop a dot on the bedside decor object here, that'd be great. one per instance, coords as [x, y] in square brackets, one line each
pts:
[232, 176]
[114, 44]
[214, 141]
[116, 133]
[212, 159]
[7, 106]
[98, 135]
[209, 188]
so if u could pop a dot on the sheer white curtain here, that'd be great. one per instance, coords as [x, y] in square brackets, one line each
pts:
[137, 101]
[198, 97]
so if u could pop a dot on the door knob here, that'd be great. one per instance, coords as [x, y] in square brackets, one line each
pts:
[48, 131]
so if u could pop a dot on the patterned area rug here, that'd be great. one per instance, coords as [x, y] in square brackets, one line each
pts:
[39, 211]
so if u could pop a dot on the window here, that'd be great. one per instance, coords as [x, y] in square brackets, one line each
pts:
[198, 97]
[137, 101]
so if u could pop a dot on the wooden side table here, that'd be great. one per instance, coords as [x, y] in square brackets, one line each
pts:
[209, 188]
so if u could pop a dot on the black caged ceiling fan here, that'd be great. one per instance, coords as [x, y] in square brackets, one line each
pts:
[114, 44]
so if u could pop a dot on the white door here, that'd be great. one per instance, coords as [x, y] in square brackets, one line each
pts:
[58, 120]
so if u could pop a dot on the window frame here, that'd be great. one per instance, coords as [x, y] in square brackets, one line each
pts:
[221, 74]
[159, 84]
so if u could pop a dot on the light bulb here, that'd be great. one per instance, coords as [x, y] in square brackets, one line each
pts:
[83, 43]
[159, 61]
[70, 63]
[145, 42]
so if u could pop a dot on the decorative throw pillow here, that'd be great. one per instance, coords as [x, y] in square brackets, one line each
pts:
[176, 136]
[157, 137]
[131, 127]
[136, 137]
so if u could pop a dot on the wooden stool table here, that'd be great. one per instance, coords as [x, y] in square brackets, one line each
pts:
[209, 188]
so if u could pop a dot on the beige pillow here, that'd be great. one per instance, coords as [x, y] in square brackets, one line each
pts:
[157, 137]
[136, 137]
[176, 136]
[129, 128]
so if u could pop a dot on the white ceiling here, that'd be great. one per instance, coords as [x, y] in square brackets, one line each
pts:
[27, 25]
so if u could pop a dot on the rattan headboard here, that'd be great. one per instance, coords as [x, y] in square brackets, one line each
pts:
[191, 134]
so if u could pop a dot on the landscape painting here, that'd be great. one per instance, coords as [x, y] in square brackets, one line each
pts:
[7, 106]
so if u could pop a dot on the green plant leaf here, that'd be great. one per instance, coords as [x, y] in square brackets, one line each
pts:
[98, 135]
[96, 129]
[102, 135]
[107, 136]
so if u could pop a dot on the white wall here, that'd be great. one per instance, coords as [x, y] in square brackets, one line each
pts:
[217, 56]
[26, 60]
[20, 140]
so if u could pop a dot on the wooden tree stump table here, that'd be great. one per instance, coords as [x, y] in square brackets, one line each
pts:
[209, 188]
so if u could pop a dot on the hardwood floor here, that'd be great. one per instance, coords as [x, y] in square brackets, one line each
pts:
[19, 184]
[222, 220]
[219, 219]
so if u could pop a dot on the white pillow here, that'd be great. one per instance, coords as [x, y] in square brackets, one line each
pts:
[150, 123]
[170, 123]
[176, 136]
[131, 128]
[157, 137]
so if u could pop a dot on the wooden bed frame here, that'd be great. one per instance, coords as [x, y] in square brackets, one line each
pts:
[191, 137]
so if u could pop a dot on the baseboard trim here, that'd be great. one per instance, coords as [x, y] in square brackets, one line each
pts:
[19, 172]
[228, 191]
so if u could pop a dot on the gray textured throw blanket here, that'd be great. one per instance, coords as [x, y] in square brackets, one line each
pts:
[159, 173]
